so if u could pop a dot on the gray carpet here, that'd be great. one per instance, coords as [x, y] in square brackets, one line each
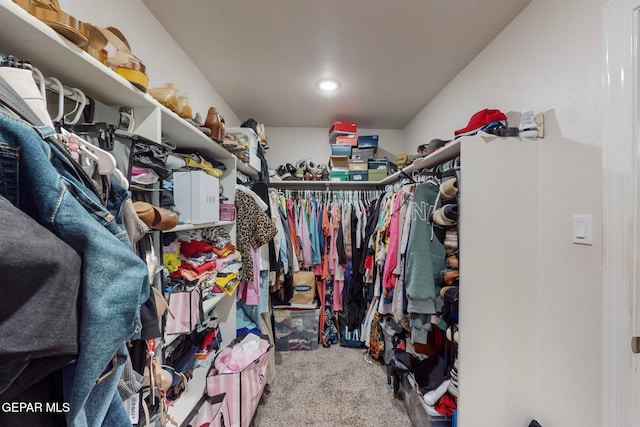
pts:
[333, 386]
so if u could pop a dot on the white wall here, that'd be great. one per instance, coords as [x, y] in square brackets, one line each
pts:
[149, 41]
[288, 145]
[548, 58]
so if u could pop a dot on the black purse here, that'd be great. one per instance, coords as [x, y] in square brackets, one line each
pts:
[151, 155]
[128, 148]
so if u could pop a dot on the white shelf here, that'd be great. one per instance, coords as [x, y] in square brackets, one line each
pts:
[207, 306]
[183, 227]
[247, 169]
[195, 389]
[26, 37]
[448, 152]
[243, 131]
[188, 137]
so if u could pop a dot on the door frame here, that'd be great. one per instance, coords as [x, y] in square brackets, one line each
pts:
[620, 154]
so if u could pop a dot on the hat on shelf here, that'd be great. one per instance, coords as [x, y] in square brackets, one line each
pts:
[481, 119]
[435, 144]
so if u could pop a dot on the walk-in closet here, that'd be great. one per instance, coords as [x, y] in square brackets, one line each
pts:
[318, 213]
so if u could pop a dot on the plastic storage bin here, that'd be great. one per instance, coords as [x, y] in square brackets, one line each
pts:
[296, 329]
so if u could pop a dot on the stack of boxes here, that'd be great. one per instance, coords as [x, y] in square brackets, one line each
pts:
[352, 155]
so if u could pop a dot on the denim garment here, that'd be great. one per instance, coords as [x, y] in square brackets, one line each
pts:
[114, 280]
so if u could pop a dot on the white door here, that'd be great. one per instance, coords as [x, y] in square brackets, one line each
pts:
[621, 216]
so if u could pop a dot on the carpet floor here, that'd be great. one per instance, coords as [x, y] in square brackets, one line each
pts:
[333, 386]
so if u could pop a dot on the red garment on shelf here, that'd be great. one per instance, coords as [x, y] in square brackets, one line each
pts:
[193, 247]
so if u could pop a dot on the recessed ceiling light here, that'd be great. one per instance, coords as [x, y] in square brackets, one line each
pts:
[328, 85]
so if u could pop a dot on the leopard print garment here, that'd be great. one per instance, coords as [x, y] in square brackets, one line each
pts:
[254, 229]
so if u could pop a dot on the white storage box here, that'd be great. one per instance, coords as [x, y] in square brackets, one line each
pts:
[197, 197]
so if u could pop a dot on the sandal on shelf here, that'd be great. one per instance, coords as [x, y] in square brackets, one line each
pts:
[49, 12]
[123, 62]
[156, 218]
[96, 42]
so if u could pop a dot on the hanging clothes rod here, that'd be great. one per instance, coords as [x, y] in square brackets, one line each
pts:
[331, 185]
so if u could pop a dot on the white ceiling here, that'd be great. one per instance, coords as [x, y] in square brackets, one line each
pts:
[392, 57]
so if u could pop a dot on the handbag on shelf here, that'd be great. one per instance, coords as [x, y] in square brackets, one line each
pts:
[129, 149]
[186, 305]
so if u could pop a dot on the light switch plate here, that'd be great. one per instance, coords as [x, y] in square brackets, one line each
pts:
[582, 229]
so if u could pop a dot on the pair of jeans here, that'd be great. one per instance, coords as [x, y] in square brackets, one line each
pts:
[43, 182]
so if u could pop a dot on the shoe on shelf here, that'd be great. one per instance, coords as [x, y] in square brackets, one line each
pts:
[122, 61]
[322, 172]
[50, 12]
[155, 217]
[166, 95]
[183, 109]
[230, 142]
[528, 127]
[263, 136]
[283, 173]
[215, 123]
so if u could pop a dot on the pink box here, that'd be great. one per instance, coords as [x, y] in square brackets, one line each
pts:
[347, 140]
[227, 211]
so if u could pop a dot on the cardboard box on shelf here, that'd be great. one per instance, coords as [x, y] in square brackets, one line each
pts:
[362, 153]
[378, 164]
[197, 196]
[377, 174]
[358, 165]
[351, 139]
[359, 176]
[340, 150]
[339, 176]
[368, 141]
[339, 163]
[341, 127]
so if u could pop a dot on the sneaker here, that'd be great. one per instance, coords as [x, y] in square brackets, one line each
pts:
[283, 172]
[322, 172]
[528, 127]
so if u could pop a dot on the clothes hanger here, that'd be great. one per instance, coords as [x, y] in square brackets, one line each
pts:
[39, 78]
[60, 89]
[105, 161]
[81, 102]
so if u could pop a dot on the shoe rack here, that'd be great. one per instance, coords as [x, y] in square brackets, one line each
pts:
[24, 36]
